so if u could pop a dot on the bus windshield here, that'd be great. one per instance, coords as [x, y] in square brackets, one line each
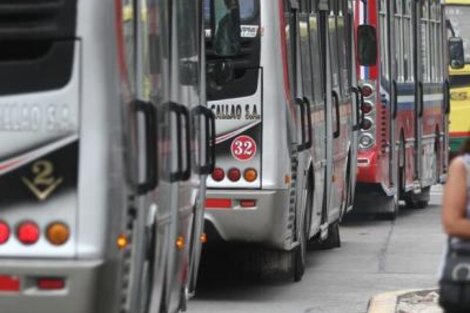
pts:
[248, 10]
[458, 16]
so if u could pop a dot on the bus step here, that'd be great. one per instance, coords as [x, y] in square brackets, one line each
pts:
[323, 231]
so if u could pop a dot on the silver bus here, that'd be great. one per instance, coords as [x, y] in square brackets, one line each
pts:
[105, 147]
[286, 117]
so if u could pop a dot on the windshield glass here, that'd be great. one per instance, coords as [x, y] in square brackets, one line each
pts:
[459, 18]
[248, 10]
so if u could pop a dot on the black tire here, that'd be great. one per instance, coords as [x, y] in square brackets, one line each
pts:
[300, 253]
[334, 239]
[419, 201]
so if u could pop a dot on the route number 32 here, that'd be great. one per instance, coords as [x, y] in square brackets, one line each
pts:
[243, 148]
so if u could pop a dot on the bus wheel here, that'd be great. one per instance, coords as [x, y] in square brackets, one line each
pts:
[420, 200]
[334, 239]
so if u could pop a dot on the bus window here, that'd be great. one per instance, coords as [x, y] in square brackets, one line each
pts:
[316, 58]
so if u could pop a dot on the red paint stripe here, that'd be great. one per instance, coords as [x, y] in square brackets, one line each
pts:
[218, 203]
[459, 134]
[8, 164]
[372, 15]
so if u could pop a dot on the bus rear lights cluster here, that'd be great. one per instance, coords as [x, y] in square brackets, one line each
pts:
[4, 232]
[58, 233]
[234, 174]
[218, 174]
[50, 283]
[366, 124]
[9, 283]
[367, 91]
[366, 141]
[250, 175]
[366, 107]
[28, 233]
[248, 203]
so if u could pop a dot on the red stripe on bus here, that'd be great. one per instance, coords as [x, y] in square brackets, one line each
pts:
[459, 134]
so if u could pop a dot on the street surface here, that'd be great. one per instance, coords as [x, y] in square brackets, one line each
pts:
[376, 256]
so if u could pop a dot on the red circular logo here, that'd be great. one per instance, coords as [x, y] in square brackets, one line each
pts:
[243, 148]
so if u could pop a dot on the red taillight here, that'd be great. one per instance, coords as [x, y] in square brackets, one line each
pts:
[218, 203]
[366, 107]
[28, 233]
[9, 283]
[366, 124]
[367, 91]
[234, 174]
[4, 232]
[218, 174]
[50, 283]
[247, 203]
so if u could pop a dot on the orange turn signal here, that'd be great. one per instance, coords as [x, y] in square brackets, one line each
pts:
[203, 238]
[180, 244]
[122, 241]
[58, 233]
[250, 175]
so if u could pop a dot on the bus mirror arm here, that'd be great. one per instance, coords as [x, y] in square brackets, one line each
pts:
[150, 115]
[447, 96]
[395, 99]
[308, 110]
[300, 103]
[359, 101]
[421, 99]
[209, 123]
[337, 132]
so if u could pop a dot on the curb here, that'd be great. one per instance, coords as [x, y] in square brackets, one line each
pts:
[387, 302]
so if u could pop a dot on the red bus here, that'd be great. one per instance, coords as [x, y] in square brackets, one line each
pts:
[402, 74]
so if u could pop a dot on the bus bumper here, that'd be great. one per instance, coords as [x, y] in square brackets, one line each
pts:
[266, 223]
[79, 294]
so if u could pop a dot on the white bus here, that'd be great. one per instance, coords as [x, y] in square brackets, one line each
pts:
[105, 147]
[286, 119]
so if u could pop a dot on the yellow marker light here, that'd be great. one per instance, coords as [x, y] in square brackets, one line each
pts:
[58, 233]
[180, 244]
[203, 238]
[287, 179]
[122, 241]
[250, 175]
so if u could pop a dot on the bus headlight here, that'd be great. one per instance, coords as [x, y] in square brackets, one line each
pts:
[366, 141]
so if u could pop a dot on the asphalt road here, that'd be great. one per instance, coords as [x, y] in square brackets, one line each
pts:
[376, 256]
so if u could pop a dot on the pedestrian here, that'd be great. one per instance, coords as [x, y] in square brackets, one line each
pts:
[455, 276]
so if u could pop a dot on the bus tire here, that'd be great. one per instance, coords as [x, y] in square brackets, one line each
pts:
[420, 200]
[334, 239]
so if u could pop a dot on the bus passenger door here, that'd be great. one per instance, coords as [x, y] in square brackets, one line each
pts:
[152, 85]
[185, 97]
[335, 161]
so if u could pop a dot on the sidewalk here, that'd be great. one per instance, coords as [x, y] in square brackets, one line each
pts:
[406, 301]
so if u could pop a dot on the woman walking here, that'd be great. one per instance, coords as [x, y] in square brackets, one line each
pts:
[455, 279]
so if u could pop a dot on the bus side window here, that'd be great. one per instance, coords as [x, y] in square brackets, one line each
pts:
[343, 33]
[317, 55]
[306, 67]
[334, 47]
[291, 46]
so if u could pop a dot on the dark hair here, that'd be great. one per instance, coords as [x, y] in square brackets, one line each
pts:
[465, 147]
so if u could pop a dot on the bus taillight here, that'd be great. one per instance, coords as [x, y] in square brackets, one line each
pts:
[4, 232]
[234, 174]
[367, 90]
[58, 234]
[218, 174]
[28, 233]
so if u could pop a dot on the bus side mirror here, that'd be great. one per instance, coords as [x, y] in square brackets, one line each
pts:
[367, 45]
[456, 53]
[226, 27]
